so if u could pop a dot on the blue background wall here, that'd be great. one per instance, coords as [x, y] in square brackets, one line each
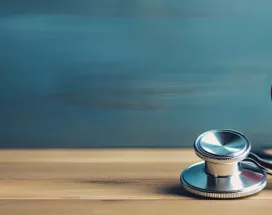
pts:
[133, 73]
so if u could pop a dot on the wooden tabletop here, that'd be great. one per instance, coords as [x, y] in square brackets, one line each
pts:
[108, 181]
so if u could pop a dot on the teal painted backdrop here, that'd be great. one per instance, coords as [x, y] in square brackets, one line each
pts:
[133, 73]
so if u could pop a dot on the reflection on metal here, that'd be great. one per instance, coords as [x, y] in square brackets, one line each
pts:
[226, 172]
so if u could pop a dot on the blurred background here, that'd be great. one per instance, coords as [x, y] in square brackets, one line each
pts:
[133, 73]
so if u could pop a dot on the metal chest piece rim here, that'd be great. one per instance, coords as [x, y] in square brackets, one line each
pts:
[223, 174]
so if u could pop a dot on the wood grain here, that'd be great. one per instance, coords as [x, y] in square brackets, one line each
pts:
[117, 181]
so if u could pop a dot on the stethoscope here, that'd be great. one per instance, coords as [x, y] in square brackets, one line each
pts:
[229, 169]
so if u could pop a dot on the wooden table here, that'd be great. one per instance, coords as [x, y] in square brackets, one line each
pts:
[115, 181]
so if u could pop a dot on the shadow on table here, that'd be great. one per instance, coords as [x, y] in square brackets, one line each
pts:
[178, 190]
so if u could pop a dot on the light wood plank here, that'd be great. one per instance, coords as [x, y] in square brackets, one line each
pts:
[98, 156]
[102, 182]
[140, 207]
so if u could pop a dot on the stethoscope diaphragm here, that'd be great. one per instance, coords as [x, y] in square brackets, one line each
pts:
[228, 170]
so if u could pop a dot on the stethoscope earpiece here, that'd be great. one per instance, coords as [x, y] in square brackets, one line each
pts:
[228, 170]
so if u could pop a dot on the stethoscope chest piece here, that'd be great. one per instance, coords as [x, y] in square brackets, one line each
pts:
[224, 173]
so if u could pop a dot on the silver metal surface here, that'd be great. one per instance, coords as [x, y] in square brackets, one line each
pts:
[222, 146]
[222, 169]
[222, 143]
[223, 175]
[250, 181]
